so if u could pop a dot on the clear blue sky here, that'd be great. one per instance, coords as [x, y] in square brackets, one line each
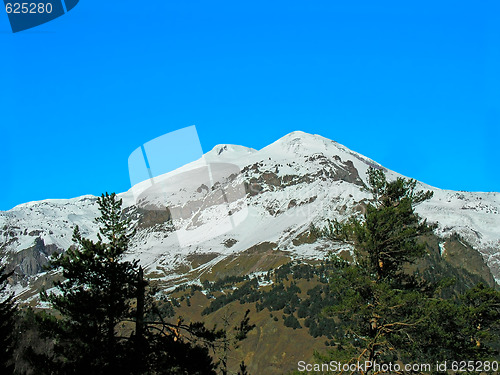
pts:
[415, 86]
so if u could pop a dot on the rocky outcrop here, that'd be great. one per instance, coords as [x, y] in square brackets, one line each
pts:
[31, 261]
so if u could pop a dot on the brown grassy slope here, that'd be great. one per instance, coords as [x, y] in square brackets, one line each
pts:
[271, 348]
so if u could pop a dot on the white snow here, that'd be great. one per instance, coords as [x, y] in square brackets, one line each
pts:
[203, 221]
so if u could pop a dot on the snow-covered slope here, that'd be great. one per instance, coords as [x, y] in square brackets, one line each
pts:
[237, 197]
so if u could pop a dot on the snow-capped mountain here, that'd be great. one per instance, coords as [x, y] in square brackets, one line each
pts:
[236, 198]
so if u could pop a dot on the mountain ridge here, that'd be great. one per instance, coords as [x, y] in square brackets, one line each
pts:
[270, 196]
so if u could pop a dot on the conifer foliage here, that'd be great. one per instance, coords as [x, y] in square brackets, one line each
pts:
[94, 295]
[107, 322]
[387, 313]
[387, 237]
[7, 325]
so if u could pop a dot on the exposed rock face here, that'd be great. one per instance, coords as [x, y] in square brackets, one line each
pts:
[31, 261]
[148, 218]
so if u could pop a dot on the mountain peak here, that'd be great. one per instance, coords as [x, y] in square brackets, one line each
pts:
[300, 136]
[270, 196]
[228, 151]
[301, 143]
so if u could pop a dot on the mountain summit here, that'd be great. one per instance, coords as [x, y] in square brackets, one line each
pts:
[236, 200]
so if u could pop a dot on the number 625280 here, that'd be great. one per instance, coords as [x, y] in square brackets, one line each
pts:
[31, 8]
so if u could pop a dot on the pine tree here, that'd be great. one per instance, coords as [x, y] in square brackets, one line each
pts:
[7, 325]
[94, 295]
[98, 331]
[388, 314]
[387, 237]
